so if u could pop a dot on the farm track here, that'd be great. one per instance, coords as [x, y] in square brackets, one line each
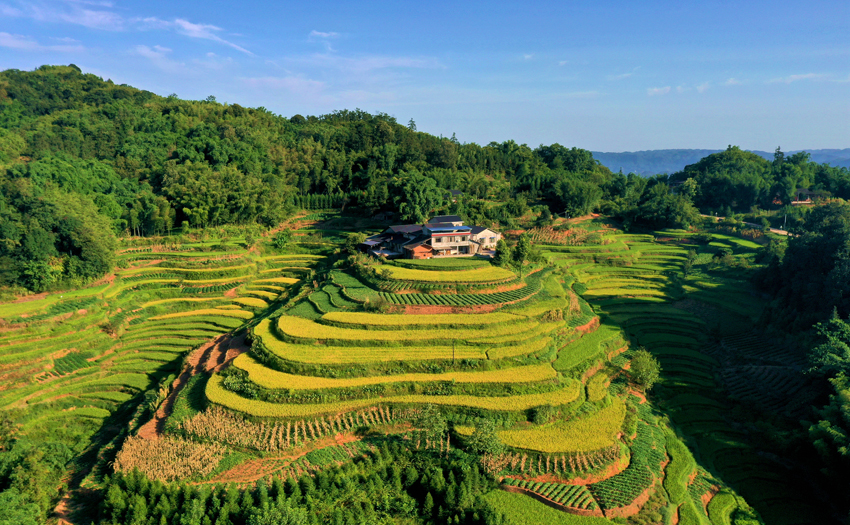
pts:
[256, 469]
[211, 357]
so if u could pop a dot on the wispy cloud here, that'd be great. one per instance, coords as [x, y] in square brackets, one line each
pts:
[94, 15]
[702, 88]
[623, 76]
[324, 37]
[23, 43]
[213, 61]
[658, 91]
[528, 56]
[581, 94]
[365, 64]
[795, 78]
[563, 62]
[323, 34]
[206, 32]
[158, 56]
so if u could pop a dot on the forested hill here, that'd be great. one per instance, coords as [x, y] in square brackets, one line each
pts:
[86, 159]
[83, 160]
[652, 162]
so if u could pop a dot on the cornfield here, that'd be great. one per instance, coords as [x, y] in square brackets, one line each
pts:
[218, 424]
[169, 459]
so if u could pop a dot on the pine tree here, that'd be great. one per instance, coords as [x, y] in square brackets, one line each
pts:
[428, 505]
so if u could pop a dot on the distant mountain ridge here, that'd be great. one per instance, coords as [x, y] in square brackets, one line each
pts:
[651, 162]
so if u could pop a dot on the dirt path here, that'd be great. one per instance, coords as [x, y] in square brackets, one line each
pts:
[211, 357]
[256, 469]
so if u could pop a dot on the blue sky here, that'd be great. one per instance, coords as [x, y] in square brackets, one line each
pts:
[603, 75]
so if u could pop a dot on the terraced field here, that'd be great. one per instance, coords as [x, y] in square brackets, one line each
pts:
[340, 351]
[639, 287]
[76, 360]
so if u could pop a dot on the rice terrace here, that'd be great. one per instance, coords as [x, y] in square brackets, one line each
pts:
[212, 314]
[259, 369]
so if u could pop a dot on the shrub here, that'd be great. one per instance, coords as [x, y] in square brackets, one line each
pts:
[645, 369]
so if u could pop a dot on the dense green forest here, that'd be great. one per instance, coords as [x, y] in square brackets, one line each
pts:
[84, 162]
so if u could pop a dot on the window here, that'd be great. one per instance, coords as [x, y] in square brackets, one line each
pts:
[438, 239]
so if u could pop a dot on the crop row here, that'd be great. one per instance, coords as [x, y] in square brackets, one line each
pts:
[442, 264]
[306, 329]
[573, 496]
[217, 394]
[405, 320]
[645, 467]
[268, 378]
[206, 311]
[490, 274]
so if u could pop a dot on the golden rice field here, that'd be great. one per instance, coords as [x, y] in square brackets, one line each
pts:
[594, 432]
[268, 378]
[217, 394]
[284, 280]
[242, 314]
[301, 328]
[478, 275]
[401, 320]
[251, 301]
[321, 354]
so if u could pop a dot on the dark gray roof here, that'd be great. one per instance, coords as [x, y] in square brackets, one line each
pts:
[417, 241]
[477, 229]
[445, 218]
[405, 228]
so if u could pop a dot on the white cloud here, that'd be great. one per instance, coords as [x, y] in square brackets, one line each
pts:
[619, 77]
[322, 34]
[702, 88]
[324, 37]
[94, 19]
[658, 91]
[528, 56]
[682, 89]
[563, 62]
[732, 82]
[24, 43]
[795, 78]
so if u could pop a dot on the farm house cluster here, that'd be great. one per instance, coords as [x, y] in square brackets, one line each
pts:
[442, 236]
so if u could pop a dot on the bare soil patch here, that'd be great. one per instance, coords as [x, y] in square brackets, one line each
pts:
[210, 357]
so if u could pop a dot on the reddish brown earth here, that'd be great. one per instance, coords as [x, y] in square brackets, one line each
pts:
[29, 298]
[708, 496]
[256, 469]
[210, 357]
[612, 470]
[588, 327]
[675, 518]
[631, 509]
